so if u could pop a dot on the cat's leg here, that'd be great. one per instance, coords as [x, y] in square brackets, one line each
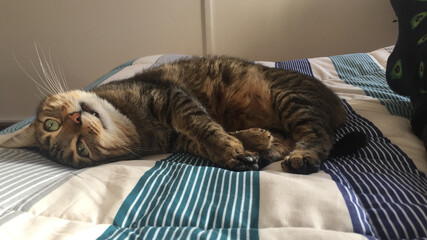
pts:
[183, 143]
[309, 129]
[185, 114]
[271, 146]
[313, 143]
[253, 139]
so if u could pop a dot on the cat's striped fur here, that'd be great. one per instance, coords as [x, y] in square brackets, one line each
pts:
[197, 105]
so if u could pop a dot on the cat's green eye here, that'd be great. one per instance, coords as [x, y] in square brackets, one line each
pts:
[82, 150]
[51, 125]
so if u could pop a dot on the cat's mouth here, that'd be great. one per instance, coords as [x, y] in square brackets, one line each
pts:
[92, 112]
[89, 110]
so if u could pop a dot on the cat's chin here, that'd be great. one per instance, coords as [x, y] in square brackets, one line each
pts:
[97, 108]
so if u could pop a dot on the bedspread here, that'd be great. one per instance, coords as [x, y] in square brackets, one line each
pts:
[379, 192]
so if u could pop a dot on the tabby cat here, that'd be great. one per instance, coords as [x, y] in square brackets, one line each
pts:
[240, 115]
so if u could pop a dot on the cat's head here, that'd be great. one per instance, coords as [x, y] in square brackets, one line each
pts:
[78, 129]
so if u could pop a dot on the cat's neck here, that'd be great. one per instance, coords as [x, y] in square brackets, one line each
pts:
[129, 101]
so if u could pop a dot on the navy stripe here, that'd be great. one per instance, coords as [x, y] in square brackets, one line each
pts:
[386, 195]
[184, 196]
[357, 213]
[301, 65]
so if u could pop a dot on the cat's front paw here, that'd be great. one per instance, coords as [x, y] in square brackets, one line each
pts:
[229, 153]
[241, 161]
[246, 162]
[254, 139]
[301, 162]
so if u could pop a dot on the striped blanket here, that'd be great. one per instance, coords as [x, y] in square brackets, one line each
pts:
[379, 192]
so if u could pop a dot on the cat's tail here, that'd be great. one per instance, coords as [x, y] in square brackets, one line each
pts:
[349, 144]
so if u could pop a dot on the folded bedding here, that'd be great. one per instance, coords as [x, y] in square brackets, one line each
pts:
[378, 192]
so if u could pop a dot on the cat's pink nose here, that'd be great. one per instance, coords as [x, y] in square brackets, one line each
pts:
[75, 117]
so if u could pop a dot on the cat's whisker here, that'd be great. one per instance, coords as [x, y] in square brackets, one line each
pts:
[132, 152]
[129, 148]
[56, 81]
[62, 77]
[51, 69]
[47, 71]
[142, 149]
[47, 87]
[39, 96]
[132, 149]
[46, 79]
[53, 73]
[44, 93]
[123, 143]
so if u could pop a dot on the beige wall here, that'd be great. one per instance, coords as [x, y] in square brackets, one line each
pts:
[89, 38]
[290, 29]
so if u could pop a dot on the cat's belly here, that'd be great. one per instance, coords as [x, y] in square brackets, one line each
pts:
[240, 104]
[245, 113]
[249, 120]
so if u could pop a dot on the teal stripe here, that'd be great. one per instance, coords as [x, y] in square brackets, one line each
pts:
[360, 70]
[17, 125]
[184, 196]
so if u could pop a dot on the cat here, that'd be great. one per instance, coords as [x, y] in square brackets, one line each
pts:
[239, 114]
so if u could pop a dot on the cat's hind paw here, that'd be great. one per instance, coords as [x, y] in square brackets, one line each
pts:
[301, 162]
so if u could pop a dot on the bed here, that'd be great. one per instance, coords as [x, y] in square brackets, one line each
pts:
[379, 192]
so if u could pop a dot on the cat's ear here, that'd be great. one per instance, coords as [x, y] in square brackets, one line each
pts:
[24, 137]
